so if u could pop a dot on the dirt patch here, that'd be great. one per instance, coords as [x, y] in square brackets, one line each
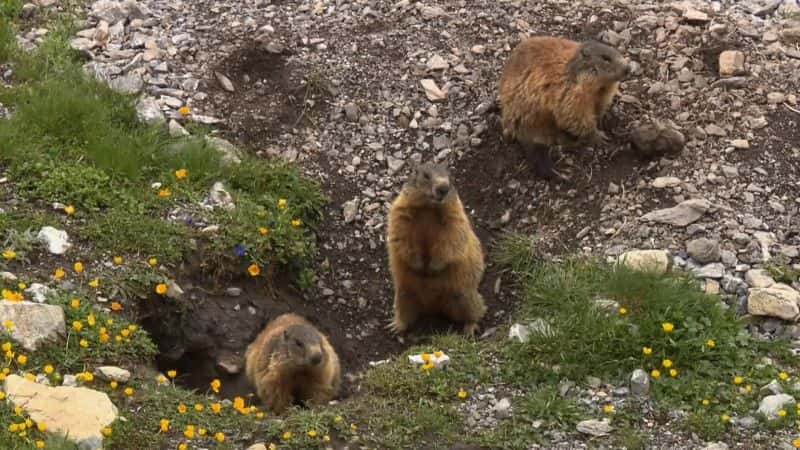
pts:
[273, 93]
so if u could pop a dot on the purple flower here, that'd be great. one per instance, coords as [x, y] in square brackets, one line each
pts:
[239, 250]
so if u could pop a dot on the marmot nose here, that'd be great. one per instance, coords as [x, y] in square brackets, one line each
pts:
[442, 190]
[316, 359]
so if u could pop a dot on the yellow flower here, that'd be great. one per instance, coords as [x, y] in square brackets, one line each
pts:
[425, 357]
[705, 402]
[353, 427]
[59, 274]
[115, 306]
[13, 428]
[9, 325]
[6, 346]
[201, 431]
[22, 359]
[326, 438]
[216, 407]
[84, 343]
[647, 350]
[161, 379]
[272, 447]
[11, 295]
[796, 443]
[180, 174]
[21, 286]
[263, 230]
[113, 384]
[726, 417]
[163, 425]
[738, 380]
[198, 407]
[608, 409]
[161, 289]
[77, 325]
[189, 432]
[87, 376]
[172, 373]
[219, 437]
[132, 328]
[152, 261]
[90, 319]
[462, 394]
[30, 377]
[254, 270]
[128, 391]
[9, 254]
[673, 373]
[39, 444]
[748, 388]
[118, 260]
[107, 431]
[783, 376]
[165, 192]
[282, 203]
[666, 363]
[215, 385]
[259, 415]
[181, 408]
[338, 419]
[125, 332]
[667, 327]
[78, 267]
[184, 110]
[94, 283]
[622, 311]
[287, 435]
[238, 403]
[296, 223]
[69, 210]
[41, 427]
[438, 354]
[655, 373]
[181, 446]
[312, 433]
[427, 366]
[781, 413]
[48, 369]
[74, 303]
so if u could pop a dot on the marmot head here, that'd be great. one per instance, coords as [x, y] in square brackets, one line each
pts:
[432, 182]
[598, 60]
[303, 345]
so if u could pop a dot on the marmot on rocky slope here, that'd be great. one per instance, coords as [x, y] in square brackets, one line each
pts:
[435, 258]
[291, 361]
[554, 91]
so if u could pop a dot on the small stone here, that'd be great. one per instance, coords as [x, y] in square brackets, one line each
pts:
[703, 250]
[685, 213]
[713, 129]
[394, 164]
[69, 381]
[731, 63]
[712, 287]
[176, 130]
[112, 373]
[432, 91]
[258, 446]
[233, 291]
[776, 98]
[716, 446]
[653, 141]
[692, 15]
[740, 144]
[666, 182]
[230, 153]
[230, 363]
[174, 291]
[148, 111]
[57, 241]
[640, 383]
[352, 112]
[714, 270]
[502, 409]
[436, 62]
[595, 427]
[758, 278]
[778, 300]
[771, 404]
[224, 81]
[657, 261]
[76, 412]
[774, 387]
[350, 210]
[218, 197]
[519, 333]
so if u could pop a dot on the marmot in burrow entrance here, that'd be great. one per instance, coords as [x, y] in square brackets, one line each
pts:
[435, 258]
[290, 362]
[554, 91]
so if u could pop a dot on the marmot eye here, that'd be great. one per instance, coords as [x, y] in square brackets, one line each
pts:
[606, 58]
[299, 343]
[427, 176]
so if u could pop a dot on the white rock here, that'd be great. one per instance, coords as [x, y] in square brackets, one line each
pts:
[436, 62]
[218, 197]
[432, 91]
[681, 215]
[39, 292]
[258, 446]
[57, 241]
[693, 15]
[595, 427]
[519, 332]
[771, 404]
[76, 412]
[224, 81]
[716, 446]
[148, 111]
[740, 144]
[502, 408]
[8, 276]
[127, 84]
[758, 278]
[33, 323]
[778, 300]
[112, 373]
[176, 130]
[640, 382]
[713, 270]
[731, 62]
[666, 182]
[69, 381]
[350, 210]
[657, 261]
[440, 361]
[229, 152]
[173, 290]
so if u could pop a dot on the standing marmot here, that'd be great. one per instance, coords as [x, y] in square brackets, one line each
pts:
[435, 257]
[554, 91]
[291, 361]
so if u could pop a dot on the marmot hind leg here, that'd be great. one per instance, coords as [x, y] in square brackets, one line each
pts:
[468, 308]
[275, 396]
[406, 312]
[539, 156]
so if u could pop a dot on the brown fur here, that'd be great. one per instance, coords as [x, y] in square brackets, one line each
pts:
[283, 372]
[435, 258]
[554, 91]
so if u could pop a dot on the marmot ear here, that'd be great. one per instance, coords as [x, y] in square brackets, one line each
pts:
[585, 51]
[286, 335]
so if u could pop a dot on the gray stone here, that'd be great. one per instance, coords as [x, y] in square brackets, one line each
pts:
[350, 210]
[33, 323]
[685, 213]
[716, 446]
[128, 84]
[519, 333]
[233, 291]
[703, 250]
[436, 62]
[666, 182]
[774, 387]
[176, 130]
[502, 408]
[352, 112]
[640, 383]
[758, 278]
[771, 404]
[595, 427]
[230, 153]
[57, 241]
[148, 111]
[713, 270]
